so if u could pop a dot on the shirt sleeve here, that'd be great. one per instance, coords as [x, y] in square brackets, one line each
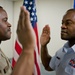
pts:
[52, 62]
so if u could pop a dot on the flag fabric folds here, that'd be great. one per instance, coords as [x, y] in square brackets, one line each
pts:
[31, 7]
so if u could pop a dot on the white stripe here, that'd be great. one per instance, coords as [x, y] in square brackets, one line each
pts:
[16, 56]
[37, 57]
[37, 60]
[19, 43]
[35, 70]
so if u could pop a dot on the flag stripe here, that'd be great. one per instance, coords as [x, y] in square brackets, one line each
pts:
[35, 71]
[30, 6]
[37, 66]
[18, 47]
[16, 55]
[36, 32]
[13, 63]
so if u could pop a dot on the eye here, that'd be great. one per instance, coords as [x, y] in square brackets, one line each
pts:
[5, 19]
[68, 23]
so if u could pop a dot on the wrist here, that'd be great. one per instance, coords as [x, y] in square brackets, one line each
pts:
[28, 51]
[44, 45]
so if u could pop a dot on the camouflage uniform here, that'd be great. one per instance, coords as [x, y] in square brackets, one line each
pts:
[5, 66]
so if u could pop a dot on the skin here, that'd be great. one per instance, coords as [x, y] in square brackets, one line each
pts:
[5, 26]
[67, 33]
[26, 37]
[68, 27]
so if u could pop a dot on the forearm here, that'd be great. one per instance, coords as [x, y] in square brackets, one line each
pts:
[45, 57]
[25, 64]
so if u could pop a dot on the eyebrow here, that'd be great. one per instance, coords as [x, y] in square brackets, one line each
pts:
[67, 20]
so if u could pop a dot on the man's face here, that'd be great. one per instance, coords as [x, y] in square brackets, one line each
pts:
[68, 26]
[5, 31]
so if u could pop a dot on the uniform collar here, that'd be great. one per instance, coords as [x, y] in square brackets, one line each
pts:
[73, 47]
[66, 47]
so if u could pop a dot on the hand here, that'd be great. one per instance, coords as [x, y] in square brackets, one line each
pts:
[25, 33]
[45, 36]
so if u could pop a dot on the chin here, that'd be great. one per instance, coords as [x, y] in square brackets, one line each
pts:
[6, 39]
[64, 38]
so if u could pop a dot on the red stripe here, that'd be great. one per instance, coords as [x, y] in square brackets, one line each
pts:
[37, 66]
[18, 48]
[13, 63]
[35, 58]
[36, 32]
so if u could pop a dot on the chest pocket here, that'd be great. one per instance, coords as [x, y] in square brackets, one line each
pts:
[70, 68]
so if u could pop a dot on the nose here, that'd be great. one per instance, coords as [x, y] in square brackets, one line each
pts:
[63, 26]
[9, 24]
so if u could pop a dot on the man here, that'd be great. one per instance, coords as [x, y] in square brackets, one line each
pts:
[26, 37]
[64, 60]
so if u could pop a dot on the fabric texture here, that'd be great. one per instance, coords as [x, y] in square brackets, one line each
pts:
[64, 61]
[5, 66]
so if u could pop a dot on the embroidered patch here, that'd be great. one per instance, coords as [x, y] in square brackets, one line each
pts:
[72, 62]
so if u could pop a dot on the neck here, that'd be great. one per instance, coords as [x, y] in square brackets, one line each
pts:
[71, 42]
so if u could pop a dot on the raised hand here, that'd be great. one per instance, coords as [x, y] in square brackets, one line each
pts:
[45, 36]
[26, 35]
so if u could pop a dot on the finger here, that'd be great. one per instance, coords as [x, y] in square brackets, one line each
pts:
[27, 18]
[46, 30]
[23, 19]
[20, 20]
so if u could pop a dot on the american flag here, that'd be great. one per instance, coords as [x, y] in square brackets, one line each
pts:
[31, 7]
[74, 4]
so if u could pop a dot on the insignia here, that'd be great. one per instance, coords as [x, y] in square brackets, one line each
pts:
[72, 62]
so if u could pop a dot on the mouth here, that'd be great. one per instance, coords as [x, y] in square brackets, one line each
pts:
[9, 30]
[63, 32]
